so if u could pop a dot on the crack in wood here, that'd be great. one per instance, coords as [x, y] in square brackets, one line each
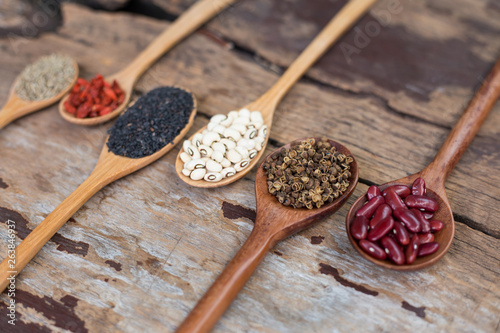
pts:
[3, 185]
[419, 311]
[329, 270]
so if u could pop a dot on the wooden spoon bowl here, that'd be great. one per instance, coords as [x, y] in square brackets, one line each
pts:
[437, 171]
[109, 168]
[16, 107]
[273, 223]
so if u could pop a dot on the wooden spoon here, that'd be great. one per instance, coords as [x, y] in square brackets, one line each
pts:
[274, 222]
[437, 171]
[186, 24]
[109, 168]
[268, 102]
[17, 107]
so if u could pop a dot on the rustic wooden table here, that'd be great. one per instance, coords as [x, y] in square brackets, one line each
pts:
[140, 254]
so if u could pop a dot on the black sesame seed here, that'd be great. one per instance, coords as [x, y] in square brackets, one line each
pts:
[151, 123]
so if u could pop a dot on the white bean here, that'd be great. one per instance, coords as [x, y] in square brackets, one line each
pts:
[225, 163]
[210, 138]
[186, 172]
[242, 151]
[244, 113]
[206, 151]
[198, 174]
[233, 156]
[228, 143]
[197, 139]
[185, 157]
[213, 177]
[217, 156]
[228, 172]
[213, 166]
[241, 165]
[218, 118]
[232, 133]
[194, 164]
[256, 117]
[193, 151]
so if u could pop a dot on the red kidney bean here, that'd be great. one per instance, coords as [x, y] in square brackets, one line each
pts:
[401, 233]
[425, 225]
[418, 187]
[359, 227]
[436, 225]
[412, 249]
[409, 219]
[381, 213]
[421, 202]
[393, 250]
[372, 249]
[402, 190]
[428, 215]
[394, 201]
[369, 208]
[426, 238]
[372, 192]
[428, 248]
[381, 229]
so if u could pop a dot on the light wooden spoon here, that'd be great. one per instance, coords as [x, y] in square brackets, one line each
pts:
[109, 168]
[274, 222]
[437, 171]
[17, 107]
[186, 24]
[268, 102]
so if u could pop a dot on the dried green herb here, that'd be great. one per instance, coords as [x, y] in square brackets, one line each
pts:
[309, 174]
[45, 78]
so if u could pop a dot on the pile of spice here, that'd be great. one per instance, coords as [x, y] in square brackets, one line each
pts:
[151, 123]
[225, 147]
[95, 98]
[45, 78]
[308, 174]
[387, 226]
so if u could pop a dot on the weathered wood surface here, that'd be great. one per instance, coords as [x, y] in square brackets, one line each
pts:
[141, 252]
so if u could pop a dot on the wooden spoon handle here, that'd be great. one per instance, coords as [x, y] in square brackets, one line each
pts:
[30, 246]
[220, 295]
[339, 24]
[186, 24]
[467, 126]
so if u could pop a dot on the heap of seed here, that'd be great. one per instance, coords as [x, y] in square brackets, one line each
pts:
[151, 123]
[45, 78]
[309, 174]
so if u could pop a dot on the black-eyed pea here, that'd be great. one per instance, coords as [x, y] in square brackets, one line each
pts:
[251, 134]
[197, 139]
[213, 166]
[241, 121]
[198, 174]
[218, 146]
[259, 143]
[217, 156]
[228, 143]
[205, 131]
[241, 165]
[233, 134]
[219, 129]
[210, 126]
[242, 151]
[246, 143]
[210, 138]
[213, 177]
[239, 127]
[228, 172]
[233, 156]
[194, 164]
[225, 163]
[256, 117]
[229, 120]
[205, 159]
[205, 151]
[252, 153]
[186, 144]
[263, 131]
[186, 172]
[255, 125]
[218, 118]
[185, 157]
[192, 151]
[244, 113]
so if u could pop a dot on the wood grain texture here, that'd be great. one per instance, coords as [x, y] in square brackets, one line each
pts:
[171, 242]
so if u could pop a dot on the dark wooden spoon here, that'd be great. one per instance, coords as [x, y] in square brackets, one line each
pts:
[437, 171]
[274, 222]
